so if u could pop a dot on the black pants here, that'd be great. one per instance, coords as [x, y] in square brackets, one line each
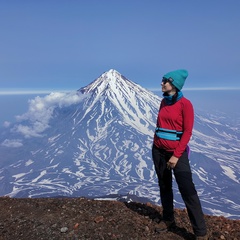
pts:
[183, 176]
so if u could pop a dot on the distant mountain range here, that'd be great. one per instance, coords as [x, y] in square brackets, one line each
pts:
[96, 142]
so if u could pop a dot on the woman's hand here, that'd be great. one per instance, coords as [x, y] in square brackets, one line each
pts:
[172, 162]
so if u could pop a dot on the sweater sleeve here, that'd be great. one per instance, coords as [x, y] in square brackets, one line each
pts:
[188, 121]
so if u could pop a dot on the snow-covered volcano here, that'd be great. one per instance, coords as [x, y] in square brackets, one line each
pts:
[97, 142]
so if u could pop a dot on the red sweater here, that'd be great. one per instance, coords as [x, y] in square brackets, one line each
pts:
[180, 117]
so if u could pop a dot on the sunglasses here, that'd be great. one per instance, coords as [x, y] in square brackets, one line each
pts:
[165, 80]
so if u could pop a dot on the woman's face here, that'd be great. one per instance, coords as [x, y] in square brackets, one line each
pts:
[167, 86]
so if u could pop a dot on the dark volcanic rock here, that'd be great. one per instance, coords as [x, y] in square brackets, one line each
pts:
[81, 218]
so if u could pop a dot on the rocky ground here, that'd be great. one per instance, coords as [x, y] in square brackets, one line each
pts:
[81, 218]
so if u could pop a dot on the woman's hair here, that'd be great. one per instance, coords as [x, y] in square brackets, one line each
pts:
[175, 96]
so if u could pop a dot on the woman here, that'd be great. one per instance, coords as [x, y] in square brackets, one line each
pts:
[173, 132]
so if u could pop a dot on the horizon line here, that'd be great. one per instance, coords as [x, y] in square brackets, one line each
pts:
[200, 89]
[48, 91]
[32, 91]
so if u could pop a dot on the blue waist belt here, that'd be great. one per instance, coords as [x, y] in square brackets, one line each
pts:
[168, 134]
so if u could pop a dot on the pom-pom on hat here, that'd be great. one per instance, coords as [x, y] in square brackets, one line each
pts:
[178, 77]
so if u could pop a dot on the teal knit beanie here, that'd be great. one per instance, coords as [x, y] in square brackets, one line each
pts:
[178, 77]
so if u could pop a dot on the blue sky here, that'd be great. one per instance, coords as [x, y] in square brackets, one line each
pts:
[64, 45]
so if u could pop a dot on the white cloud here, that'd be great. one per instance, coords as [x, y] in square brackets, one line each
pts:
[12, 143]
[40, 112]
[6, 124]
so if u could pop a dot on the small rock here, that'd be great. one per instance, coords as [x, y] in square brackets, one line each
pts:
[149, 204]
[76, 226]
[147, 229]
[64, 229]
[54, 225]
[145, 221]
[98, 219]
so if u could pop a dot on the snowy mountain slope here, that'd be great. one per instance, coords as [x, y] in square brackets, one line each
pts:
[97, 142]
[99, 132]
